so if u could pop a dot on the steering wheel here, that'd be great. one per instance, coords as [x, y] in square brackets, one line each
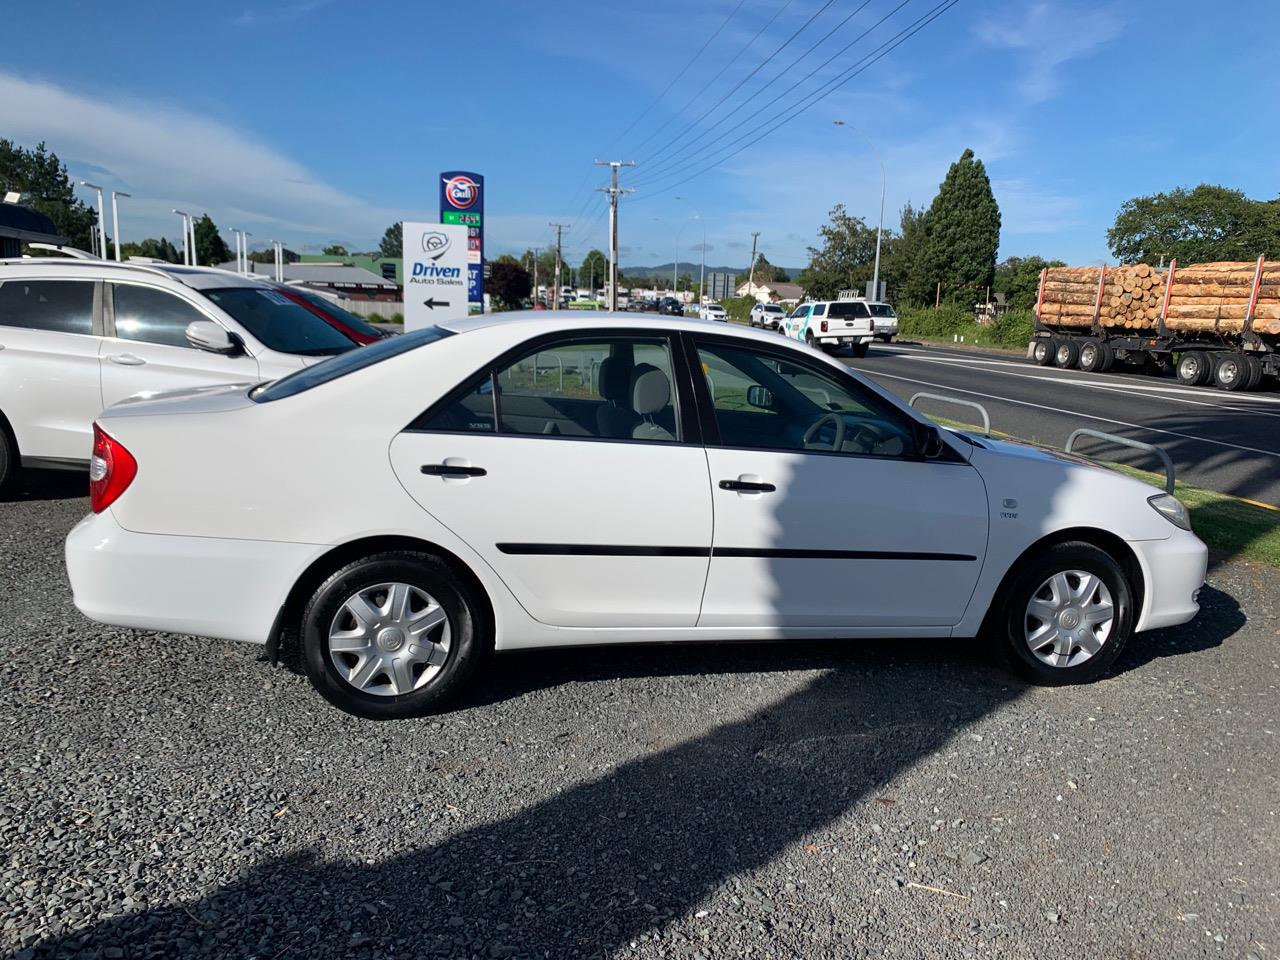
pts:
[817, 426]
[869, 436]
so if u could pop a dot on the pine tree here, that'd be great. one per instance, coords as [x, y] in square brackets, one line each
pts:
[211, 249]
[963, 230]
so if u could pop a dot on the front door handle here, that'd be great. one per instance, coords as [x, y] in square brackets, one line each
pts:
[448, 469]
[747, 486]
[126, 359]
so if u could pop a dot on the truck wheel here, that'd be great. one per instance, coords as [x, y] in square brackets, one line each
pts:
[1067, 354]
[1042, 351]
[860, 349]
[1255, 372]
[1091, 355]
[1194, 368]
[808, 338]
[1231, 372]
[1108, 357]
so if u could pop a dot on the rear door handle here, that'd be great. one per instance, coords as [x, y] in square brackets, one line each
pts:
[747, 486]
[452, 470]
[126, 359]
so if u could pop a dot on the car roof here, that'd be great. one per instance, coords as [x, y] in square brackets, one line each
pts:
[198, 278]
[551, 321]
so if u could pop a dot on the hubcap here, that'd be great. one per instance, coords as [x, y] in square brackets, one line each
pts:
[1069, 618]
[389, 639]
[1087, 356]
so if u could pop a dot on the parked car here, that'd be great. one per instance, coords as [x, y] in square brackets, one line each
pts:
[767, 316]
[714, 311]
[349, 324]
[831, 324]
[670, 306]
[885, 319]
[79, 335]
[494, 519]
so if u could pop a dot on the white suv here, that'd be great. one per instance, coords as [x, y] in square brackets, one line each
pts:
[767, 316]
[79, 335]
[830, 324]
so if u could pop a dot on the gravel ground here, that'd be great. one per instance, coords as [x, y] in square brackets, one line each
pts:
[163, 797]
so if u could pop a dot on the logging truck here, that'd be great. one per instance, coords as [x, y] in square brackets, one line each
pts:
[1206, 323]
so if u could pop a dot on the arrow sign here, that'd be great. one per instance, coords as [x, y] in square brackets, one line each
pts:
[433, 303]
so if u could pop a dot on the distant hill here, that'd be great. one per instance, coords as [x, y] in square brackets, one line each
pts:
[664, 269]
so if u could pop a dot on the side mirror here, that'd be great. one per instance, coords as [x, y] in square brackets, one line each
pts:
[928, 441]
[207, 335]
[759, 397]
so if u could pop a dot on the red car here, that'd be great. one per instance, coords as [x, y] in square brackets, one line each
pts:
[357, 328]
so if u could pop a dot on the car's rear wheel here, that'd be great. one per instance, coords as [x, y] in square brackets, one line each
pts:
[391, 636]
[809, 338]
[8, 458]
[1067, 614]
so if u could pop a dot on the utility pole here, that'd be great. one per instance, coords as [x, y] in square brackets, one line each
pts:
[536, 251]
[751, 273]
[613, 190]
[560, 229]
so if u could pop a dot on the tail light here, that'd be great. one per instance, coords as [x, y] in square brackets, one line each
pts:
[824, 326]
[111, 470]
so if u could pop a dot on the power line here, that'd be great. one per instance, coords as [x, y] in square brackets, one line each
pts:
[815, 97]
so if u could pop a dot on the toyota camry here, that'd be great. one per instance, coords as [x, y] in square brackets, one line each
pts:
[554, 479]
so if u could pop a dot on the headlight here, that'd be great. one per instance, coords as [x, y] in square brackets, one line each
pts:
[1171, 508]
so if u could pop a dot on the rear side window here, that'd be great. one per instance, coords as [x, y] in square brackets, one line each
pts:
[345, 363]
[279, 323]
[59, 306]
[820, 310]
[152, 316]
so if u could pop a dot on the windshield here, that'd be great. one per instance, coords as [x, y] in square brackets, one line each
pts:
[348, 362]
[881, 310]
[279, 323]
[354, 321]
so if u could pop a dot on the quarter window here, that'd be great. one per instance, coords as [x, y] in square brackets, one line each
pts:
[59, 306]
[152, 316]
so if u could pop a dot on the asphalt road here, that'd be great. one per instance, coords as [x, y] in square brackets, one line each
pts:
[165, 796]
[1224, 442]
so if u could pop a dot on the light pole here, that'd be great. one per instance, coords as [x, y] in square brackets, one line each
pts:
[186, 243]
[702, 265]
[102, 222]
[875, 276]
[245, 257]
[115, 220]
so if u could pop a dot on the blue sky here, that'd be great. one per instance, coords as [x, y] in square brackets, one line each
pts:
[319, 121]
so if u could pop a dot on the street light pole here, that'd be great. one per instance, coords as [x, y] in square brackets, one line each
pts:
[875, 277]
[102, 222]
[186, 248]
[115, 220]
[702, 265]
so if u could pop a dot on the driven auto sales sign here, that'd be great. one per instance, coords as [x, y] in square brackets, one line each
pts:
[435, 273]
[462, 203]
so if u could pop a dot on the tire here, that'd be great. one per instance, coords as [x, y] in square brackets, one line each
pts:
[1091, 355]
[1042, 351]
[860, 349]
[1066, 354]
[1108, 357]
[809, 338]
[9, 462]
[429, 682]
[1255, 372]
[1230, 372]
[1195, 367]
[1018, 627]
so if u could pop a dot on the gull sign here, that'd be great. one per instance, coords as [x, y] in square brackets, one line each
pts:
[435, 273]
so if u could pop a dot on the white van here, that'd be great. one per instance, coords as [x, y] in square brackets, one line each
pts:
[77, 335]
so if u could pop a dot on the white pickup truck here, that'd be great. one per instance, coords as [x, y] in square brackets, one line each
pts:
[830, 324]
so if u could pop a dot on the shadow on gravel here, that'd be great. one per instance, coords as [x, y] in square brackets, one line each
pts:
[34, 485]
[600, 864]
[1219, 619]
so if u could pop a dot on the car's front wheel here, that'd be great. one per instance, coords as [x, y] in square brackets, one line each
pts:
[390, 636]
[1067, 614]
[8, 458]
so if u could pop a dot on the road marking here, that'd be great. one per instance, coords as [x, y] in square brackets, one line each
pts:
[1073, 413]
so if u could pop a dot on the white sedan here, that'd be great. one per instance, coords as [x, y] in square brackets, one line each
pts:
[551, 479]
[714, 311]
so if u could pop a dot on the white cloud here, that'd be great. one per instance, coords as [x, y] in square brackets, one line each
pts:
[1047, 35]
[166, 158]
[279, 13]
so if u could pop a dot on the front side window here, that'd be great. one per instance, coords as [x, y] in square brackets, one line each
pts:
[152, 316]
[609, 389]
[58, 306]
[279, 323]
[800, 313]
[763, 400]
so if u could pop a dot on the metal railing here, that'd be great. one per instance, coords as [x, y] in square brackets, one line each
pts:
[1125, 442]
[986, 417]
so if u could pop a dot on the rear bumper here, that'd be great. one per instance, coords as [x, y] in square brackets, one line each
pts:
[1173, 572]
[844, 338]
[229, 589]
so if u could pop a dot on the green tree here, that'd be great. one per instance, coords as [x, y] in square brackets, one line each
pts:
[595, 266]
[42, 178]
[1200, 225]
[211, 249]
[904, 266]
[335, 250]
[151, 248]
[1018, 278]
[392, 244]
[963, 230]
[509, 283]
[546, 266]
[846, 258]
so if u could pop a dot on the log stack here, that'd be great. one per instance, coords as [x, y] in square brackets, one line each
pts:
[1204, 298]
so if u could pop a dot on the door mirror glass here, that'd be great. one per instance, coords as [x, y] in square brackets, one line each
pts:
[759, 397]
[207, 335]
[928, 441]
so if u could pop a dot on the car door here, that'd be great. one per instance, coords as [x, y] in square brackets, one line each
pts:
[147, 352]
[568, 466]
[795, 325]
[825, 516]
[49, 340]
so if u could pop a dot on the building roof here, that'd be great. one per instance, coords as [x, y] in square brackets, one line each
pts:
[325, 274]
[783, 291]
[368, 262]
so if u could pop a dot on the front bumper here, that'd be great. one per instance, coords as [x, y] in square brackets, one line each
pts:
[211, 587]
[1173, 572]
